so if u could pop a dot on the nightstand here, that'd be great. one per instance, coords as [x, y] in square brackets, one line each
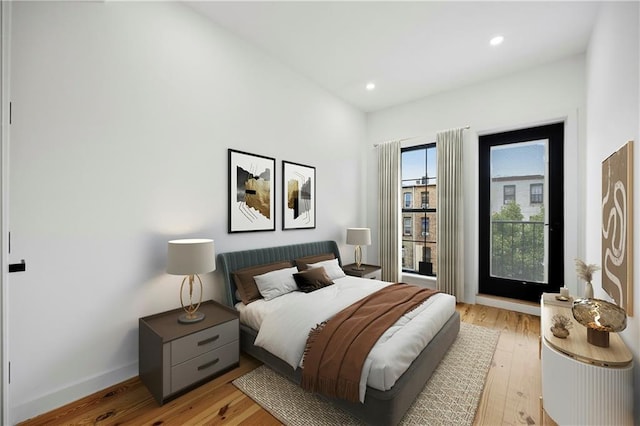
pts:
[370, 271]
[175, 357]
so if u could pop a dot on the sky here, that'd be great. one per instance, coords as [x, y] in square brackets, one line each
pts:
[413, 163]
[519, 159]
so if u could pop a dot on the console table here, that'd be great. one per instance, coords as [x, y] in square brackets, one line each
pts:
[582, 383]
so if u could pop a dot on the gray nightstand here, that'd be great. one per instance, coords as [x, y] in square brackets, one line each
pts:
[370, 271]
[176, 357]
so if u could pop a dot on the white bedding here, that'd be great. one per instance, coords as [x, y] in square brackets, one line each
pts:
[284, 323]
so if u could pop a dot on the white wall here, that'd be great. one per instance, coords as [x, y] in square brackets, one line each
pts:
[122, 116]
[540, 95]
[613, 93]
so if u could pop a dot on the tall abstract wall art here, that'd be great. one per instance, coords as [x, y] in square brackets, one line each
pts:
[617, 227]
[299, 196]
[251, 192]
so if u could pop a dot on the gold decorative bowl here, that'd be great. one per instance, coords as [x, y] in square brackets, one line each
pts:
[600, 317]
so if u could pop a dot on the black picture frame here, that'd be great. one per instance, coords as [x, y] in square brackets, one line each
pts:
[251, 192]
[298, 196]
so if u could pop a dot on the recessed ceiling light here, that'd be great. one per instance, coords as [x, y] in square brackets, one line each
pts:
[496, 40]
[370, 86]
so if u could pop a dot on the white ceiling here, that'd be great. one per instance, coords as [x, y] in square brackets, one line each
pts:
[408, 49]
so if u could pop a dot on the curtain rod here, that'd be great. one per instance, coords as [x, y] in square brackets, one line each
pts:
[416, 137]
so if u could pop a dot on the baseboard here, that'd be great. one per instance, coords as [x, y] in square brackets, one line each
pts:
[509, 304]
[66, 395]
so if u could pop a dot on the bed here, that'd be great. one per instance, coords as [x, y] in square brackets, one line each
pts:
[379, 407]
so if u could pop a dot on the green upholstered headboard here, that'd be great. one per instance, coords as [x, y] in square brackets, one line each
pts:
[232, 261]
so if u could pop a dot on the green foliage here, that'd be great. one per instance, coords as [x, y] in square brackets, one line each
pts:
[509, 211]
[539, 217]
[517, 250]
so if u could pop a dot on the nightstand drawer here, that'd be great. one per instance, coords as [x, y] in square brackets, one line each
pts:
[204, 341]
[198, 368]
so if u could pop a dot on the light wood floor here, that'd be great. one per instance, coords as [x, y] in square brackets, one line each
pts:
[511, 394]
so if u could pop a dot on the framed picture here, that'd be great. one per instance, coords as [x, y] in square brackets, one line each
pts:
[617, 227]
[251, 192]
[298, 196]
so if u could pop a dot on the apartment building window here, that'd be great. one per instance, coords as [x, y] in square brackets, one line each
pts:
[406, 226]
[425, 227]
[424, 199]
[536, 193]
[509, 194]
[419, 240]
[426, 253]
[407, 200]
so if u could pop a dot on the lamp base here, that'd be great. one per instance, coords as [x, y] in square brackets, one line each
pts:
[358, 268]
[189, 318]
[598, 338]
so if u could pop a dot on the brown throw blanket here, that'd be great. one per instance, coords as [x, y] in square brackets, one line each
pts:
[337, 348]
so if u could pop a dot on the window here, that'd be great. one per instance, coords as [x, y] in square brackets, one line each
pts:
[536, 193]
[407, 200]
[426, 254]
[521, 245]
[419, 248]
[406, 227]
[509, 194]
[425, 226]
[424, 197]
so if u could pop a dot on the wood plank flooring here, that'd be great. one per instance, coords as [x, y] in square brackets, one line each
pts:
[511, 394]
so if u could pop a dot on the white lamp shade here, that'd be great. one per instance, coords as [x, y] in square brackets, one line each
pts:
[189, 257]
[358, 236]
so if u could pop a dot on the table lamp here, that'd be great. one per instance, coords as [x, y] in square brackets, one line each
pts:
[358, 237]
[601, 318]
[190, 257]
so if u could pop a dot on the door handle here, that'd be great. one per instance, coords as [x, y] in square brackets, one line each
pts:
[18, 267]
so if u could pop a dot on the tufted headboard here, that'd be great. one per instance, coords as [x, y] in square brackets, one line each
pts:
[234, 260]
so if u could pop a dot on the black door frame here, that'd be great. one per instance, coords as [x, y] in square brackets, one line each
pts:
[517, 289]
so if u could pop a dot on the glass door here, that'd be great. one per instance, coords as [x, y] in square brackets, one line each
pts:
[521, 224]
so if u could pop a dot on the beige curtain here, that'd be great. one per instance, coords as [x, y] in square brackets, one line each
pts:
[389, 209]
[450, 213]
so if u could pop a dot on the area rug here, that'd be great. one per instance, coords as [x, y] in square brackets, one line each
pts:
[450, 397]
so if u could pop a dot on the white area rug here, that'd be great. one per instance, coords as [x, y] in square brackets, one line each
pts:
[450, 397]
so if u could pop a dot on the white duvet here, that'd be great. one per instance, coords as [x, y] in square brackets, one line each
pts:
[284, 323]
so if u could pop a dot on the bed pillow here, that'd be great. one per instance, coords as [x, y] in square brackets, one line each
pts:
[247, 285]
[302, 262]
[312, 279]
[332, 268]
[276, 283]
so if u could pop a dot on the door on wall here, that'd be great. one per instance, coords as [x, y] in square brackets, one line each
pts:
[521, 212]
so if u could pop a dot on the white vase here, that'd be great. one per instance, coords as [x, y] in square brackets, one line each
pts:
[588, 291]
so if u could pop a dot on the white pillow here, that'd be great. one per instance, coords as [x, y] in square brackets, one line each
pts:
[331, 267]
[276, 283]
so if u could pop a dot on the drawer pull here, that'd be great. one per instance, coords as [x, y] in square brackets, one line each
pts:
[209, 340]
[209, 364]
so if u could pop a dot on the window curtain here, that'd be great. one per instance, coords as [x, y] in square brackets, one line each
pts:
[389, 209]
[450, 212]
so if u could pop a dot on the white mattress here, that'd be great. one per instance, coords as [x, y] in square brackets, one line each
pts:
[284, 323]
